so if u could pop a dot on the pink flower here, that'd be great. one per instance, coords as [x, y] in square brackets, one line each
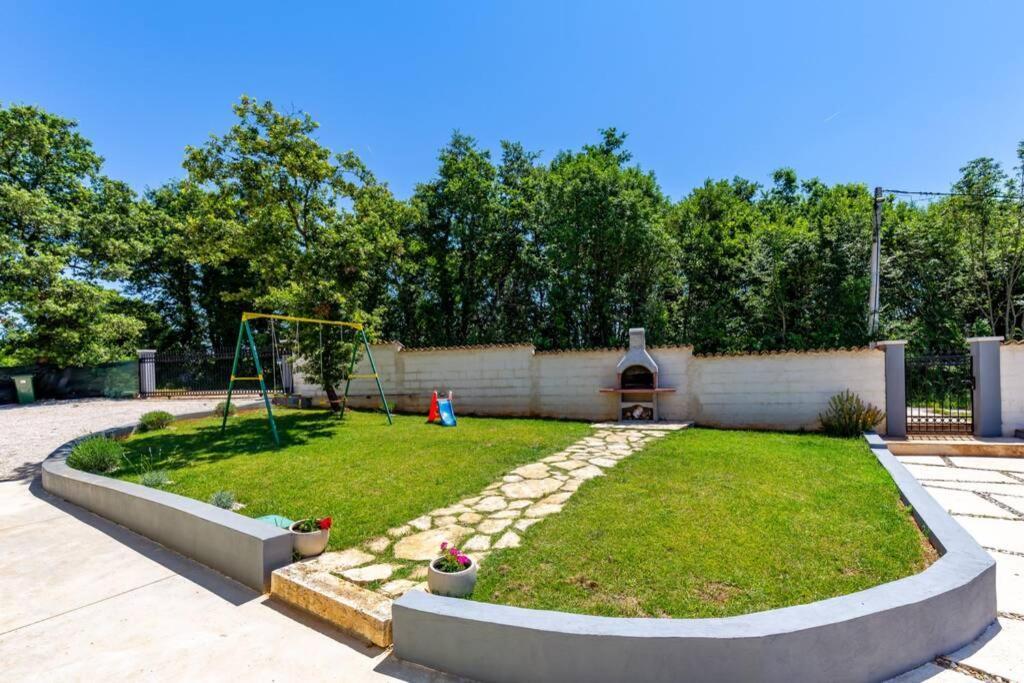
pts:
[454, 551]
[444, 546]
[463, 560]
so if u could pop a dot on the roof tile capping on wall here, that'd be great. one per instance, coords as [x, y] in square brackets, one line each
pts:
[866, 636]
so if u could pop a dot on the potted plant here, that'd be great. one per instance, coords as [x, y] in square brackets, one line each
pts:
[452, 574]
[310, 535]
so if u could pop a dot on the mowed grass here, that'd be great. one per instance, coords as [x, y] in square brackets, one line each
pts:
[707, 523]
[365, 474]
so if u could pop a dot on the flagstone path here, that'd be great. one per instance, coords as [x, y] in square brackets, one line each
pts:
[494, 518]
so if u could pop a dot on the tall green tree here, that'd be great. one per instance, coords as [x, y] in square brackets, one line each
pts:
[316, 229]
[66, 231]
[610, 261]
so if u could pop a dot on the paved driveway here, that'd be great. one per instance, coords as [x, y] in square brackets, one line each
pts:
[82, 599]
[986, 496]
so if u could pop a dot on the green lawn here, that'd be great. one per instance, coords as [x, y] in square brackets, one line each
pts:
[708, 523]
[367, 475]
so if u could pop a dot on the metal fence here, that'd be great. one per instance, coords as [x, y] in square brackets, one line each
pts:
[940, 394]
[206, 373]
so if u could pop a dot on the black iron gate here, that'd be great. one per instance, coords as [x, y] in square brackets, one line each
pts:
[205, 373]
[940, 394]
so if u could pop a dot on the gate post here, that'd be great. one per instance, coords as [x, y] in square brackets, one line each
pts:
[895, 386]
[147, 372]
[988, 411]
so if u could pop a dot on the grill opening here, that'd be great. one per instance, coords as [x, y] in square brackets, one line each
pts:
[637, 377]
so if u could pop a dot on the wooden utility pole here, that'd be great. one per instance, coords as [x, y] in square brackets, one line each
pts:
[876, 266]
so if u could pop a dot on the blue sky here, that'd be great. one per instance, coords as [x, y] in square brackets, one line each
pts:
[898, 94]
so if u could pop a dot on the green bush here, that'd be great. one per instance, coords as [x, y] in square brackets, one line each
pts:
[223, 499]
[848, 415]
[154, 420]
[96, 454]
[219, 410]
[155, 478]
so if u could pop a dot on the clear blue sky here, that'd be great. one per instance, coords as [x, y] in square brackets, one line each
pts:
[899, 94]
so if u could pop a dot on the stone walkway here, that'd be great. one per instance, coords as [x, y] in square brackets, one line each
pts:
[986, 496]
[494, 518]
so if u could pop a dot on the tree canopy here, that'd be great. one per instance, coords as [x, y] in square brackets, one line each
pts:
[565, 253]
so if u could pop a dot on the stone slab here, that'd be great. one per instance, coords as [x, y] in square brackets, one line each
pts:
[929, 473]
[426, 545]
[1016, 490]
[933, 673]
[980, 462]
[922, 460]
[1001, 534]
[1016, 503]
[1009, 583]
[531, 488]
[369, 573]
[967, 503]
[997, 651]
[358, 611]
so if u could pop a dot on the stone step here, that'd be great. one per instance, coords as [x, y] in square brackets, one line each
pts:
[356, 611]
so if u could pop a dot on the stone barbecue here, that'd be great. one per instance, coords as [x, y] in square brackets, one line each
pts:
[637, 374]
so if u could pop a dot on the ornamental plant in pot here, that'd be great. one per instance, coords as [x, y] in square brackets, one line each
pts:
[452, 574]
[310, 535]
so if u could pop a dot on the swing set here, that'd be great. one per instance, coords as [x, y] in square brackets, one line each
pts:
[245, 330]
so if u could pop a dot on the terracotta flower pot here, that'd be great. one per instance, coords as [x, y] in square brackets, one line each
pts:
[309, 543]
[452, 584]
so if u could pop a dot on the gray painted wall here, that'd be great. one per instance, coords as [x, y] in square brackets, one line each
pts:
[988, 411]
[895, 387]
[237, 546]
[867, 636]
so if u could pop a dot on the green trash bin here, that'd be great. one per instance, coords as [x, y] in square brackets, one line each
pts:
[23, 385]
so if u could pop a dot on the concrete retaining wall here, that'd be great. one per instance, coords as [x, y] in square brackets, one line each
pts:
[1011, 380]
[867, 636]
[759, 391]
[236, 546]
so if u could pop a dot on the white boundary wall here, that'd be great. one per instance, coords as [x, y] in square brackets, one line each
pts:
[1011, 382]
[784, 390]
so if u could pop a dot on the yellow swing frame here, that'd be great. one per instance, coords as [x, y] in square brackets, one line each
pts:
[244, 330]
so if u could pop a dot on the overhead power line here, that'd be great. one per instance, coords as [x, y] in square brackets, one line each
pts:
[925, 193]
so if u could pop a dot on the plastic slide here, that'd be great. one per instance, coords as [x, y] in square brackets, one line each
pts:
[444, 405]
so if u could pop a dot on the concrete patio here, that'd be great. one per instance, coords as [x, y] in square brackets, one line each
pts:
[986, 496]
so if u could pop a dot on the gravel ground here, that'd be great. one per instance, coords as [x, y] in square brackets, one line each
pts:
[31, 432]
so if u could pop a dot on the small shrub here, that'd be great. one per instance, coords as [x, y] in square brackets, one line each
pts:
[848, 415]
[96, 454]
[219, 410]
[154, 420]
[155, 478]
[223, 499]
